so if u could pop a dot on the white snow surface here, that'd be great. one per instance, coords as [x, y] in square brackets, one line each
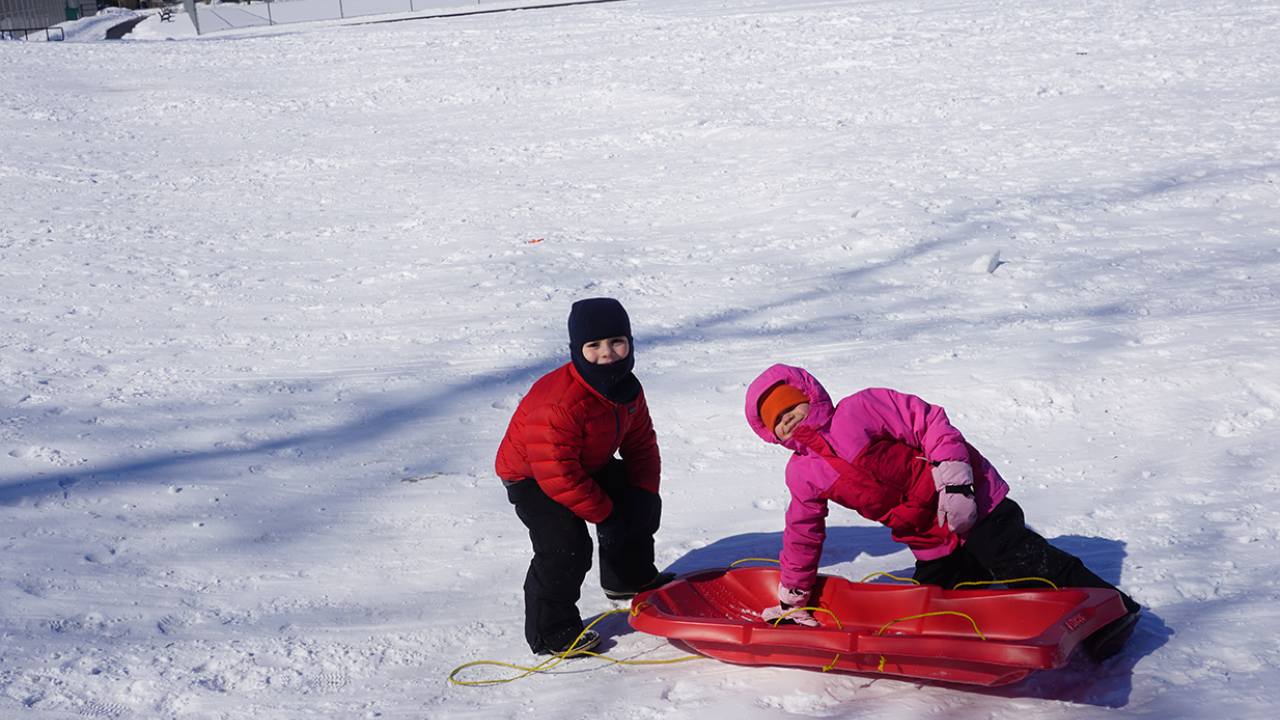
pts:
[270, 298]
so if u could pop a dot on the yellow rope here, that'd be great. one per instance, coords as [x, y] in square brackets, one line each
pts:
[895, 577]
[932, 614]
[557, 659]
[1006, 582]
[792, 611]
[815, 609]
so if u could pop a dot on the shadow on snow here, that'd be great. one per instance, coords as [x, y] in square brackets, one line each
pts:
[1080, 682]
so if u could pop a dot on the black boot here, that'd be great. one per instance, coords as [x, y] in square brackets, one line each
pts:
[1109, 638]
[658, 581]
[576, 645]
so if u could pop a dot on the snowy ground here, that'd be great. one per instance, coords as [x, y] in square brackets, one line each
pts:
[270, 297]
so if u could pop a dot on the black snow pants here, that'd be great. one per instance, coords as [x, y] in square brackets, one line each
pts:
[562, 552]
[1002, 547]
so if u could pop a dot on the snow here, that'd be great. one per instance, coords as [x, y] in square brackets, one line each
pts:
[271, 296]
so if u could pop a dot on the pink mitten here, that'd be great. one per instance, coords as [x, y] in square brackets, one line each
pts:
[788, 601]
[957, 509]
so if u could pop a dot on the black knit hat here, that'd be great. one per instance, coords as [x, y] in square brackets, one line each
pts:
[597, 319]
[601, 319]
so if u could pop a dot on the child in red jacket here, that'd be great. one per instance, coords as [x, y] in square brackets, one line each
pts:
[557, 463]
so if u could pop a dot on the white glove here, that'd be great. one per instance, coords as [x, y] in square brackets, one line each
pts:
[957, 508]
[788, 601]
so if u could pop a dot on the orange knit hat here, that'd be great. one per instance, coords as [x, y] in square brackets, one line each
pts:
[777, 400]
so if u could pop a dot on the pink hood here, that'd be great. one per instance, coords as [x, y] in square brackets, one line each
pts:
[820, 407]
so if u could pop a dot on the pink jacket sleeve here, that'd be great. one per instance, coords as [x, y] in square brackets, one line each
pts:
[804, 535]
[913, 421]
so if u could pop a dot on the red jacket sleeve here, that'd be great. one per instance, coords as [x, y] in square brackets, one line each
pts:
[639, 449]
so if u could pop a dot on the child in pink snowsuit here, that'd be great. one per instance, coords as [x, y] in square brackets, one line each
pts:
[897, 460]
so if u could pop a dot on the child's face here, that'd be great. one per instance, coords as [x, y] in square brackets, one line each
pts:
[790, 420]
[607, 351]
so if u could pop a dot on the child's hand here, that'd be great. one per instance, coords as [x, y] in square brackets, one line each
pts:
[783, 615]
[613, 529]
[957, 509]
[788, 600]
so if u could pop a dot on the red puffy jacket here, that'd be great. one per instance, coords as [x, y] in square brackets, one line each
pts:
[563, 432]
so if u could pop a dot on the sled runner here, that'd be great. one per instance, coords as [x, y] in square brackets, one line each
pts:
[981, 637]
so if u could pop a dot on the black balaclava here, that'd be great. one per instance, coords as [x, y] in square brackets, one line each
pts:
[599, 319]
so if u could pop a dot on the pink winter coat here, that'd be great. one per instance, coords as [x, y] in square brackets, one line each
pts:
[884, 441]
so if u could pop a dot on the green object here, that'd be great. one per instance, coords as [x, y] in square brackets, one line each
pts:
[73, 13]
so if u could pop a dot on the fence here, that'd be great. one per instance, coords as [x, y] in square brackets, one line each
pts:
[213, 18]
[28, 19]
[49, 33]
[30, 15]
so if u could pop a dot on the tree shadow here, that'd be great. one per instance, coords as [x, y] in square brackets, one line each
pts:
[727, 324]
[367, 428]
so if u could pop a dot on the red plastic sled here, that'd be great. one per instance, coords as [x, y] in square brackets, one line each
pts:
[980, 637]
